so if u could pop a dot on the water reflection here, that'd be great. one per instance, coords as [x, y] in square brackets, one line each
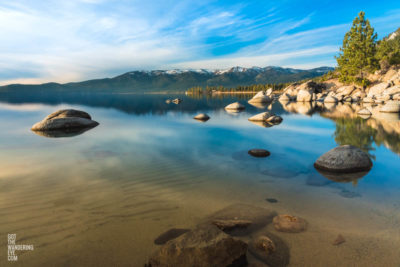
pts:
[343, 177]
[149, 167]
[63, 133]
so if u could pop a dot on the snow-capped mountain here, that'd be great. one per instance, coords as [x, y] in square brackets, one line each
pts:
[182, 79]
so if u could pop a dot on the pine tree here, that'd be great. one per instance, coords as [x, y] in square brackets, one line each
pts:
[357, 55]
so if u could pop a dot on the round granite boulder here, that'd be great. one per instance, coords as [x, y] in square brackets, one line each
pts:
[64, 120]
[259, 153]
[344, 159]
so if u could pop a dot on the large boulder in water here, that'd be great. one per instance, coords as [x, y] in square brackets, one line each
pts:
[344, 159]
[204, 246]
[65, 119]
[260, 117]
[262, 97]
[235, 106]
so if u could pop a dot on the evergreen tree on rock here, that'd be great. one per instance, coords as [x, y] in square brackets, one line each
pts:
[357, 55]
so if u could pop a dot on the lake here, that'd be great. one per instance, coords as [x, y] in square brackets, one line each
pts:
[101, 198]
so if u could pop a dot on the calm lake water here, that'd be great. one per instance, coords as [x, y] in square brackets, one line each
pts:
[102, 197]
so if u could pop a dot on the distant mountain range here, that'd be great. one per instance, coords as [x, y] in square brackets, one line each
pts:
[176, 80]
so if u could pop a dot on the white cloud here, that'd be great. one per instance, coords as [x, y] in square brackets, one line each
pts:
[74, 40]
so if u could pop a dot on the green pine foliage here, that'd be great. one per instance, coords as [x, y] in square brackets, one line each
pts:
[388, 52]
[358, 54]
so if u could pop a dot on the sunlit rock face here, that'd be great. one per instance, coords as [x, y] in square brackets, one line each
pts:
[235, 107]
[262, 97]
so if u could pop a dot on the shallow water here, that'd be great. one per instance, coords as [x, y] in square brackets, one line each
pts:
[101, 198]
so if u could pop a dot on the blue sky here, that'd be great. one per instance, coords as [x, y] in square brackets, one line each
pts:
[61, 41]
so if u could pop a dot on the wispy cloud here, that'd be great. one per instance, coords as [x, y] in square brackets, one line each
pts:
[74, 40]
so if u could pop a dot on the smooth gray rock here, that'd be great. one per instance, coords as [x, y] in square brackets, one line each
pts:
[344, 159]
[65, 120]
[202, 247]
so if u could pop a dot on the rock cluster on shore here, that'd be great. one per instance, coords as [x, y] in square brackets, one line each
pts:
[384, 91]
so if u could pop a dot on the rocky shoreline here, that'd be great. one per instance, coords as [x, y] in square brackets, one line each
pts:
[384, 91]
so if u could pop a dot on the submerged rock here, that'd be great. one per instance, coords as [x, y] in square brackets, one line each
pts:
[259, 153]
[344, 159]
[226, 225]
[270, 249]
[235, 106]
[66, 119]
[265, 244]
[289, 224]
[243, 213]
[339, 240]
[203, 246]
[169, 235]
[201, 117]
